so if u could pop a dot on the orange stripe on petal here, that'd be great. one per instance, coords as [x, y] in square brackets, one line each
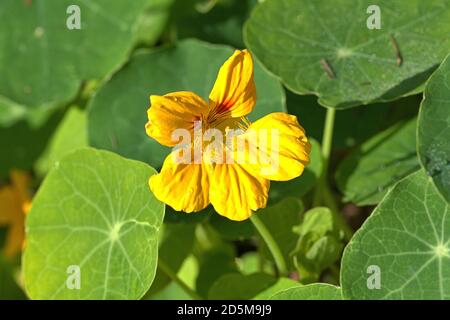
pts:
[234, 92]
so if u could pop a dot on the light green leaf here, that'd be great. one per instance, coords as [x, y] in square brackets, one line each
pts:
[377, 165]
[280, 285]
[434, 129]
[43, 62]
[70, 134]
[237, 286]
[190, 65]
[153, 21]
[294, 39]
[252, 262]
[319, 244]
[403, 246]
[95, 212]
[317, 291]
[10, 112]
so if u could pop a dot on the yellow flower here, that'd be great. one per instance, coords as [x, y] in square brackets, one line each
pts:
[14, 205]
[238, 186]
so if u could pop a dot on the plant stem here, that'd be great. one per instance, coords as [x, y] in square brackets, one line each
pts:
[172, 275]
[271, 244]
[327, 139]
[323, 193]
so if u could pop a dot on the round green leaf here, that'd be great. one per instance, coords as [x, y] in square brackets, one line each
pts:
[118, 113]
[402, 250]
[301, 40]
[317, 291]
[43, 62]
[63, 140]
[377, 165]
[434, 129]
[94, 213]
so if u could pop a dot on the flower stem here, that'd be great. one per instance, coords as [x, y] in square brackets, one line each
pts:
[172, 275]
[327, 139]
[323, 192]
[271, 244]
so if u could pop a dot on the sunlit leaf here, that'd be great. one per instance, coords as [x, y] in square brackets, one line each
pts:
[401, 251]
[317, 291]
[93, 217]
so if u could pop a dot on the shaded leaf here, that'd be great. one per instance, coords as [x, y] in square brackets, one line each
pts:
[434, 129]
[56, 59]
[377, 165]
[295, 39]
[236, 286]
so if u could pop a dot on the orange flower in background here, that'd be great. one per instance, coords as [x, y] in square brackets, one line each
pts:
[14, 205]
[238, 187]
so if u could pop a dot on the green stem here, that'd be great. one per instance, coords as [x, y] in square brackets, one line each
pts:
[271, 244]
[323, 193]
[327, 139]
[172, 275]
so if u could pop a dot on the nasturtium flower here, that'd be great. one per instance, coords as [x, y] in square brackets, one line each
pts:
[238, 186]
[14, 205]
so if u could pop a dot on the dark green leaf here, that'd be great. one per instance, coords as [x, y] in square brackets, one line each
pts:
[298, 39]
[434, 129]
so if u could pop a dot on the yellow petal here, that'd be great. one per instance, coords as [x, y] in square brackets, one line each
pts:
[21, 181]
[184, 187]
[178, 110]
[235, 193]
[278, 144]
[9, 205]
[14, 201]
[234, 93]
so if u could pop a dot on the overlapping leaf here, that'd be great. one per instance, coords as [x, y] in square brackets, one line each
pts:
[43, 62]
[434, 129]
[328, 50]
[369, 171]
